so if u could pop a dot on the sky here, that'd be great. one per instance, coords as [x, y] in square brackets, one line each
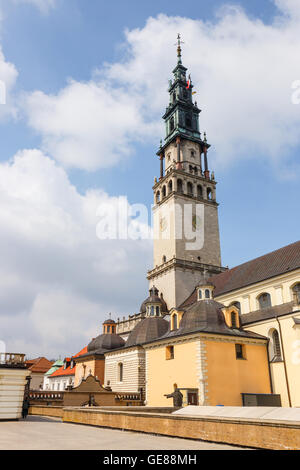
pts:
[86, 88]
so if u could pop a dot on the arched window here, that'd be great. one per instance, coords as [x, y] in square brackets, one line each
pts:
[207, 293]
[199, 191]
[264, 300]
[164, 259]
[188, 120]
[174, 322]
[233, 320]
[276, 344]
[199, 294]
[179, 186]
[152, 311]
[296, 293]
[190, 189]
[164, 191]
[170, 186]
[209, 194]
[157, 197]
[172, 124]
[120, 372]
[174, 97]
[157, 311]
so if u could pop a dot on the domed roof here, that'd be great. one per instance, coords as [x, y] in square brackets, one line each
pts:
[154, 298]
[109, 322]
[203, 315]
[147, 330]
[105, 342]
[207, 316]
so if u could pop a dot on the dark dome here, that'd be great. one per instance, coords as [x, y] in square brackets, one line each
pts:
[109, 322]
[203, 315]
[105, 343]
[147, 330]
[154, 298]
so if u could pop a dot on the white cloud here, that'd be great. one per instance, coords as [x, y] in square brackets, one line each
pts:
[8, 77]
[242, 69]
[43, 5]
[59, 281]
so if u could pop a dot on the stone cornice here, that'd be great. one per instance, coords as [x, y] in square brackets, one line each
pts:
[183, 264]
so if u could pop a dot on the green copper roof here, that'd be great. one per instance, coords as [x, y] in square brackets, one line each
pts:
[55, 366]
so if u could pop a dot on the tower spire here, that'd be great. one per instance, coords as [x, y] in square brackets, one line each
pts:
[179, 42]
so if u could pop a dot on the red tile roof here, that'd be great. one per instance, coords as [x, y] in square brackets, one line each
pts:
[273, 264]
[68, 371]
[38, 366]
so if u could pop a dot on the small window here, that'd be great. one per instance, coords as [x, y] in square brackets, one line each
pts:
[174, 322]
[172, 124]
[164, 259]
[152, 311]
[157, 311]
[179, 186]
[192, 153]
[169, 352]
[190, 189]
[199, 294]
[108, 329]
[296, 293]
[264, 300]
[188, 121]
[239, 351]
[207, 294]
[276, 345]
[199, 191]
[120, 372]
[233, 320]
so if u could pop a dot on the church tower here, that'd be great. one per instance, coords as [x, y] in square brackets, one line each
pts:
[185, 212]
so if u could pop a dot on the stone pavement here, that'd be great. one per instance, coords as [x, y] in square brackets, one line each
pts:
[41, 433]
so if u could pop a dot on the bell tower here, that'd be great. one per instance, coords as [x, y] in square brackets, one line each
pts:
[185, 212]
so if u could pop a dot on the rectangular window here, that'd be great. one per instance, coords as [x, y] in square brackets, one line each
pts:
[169, 352]
[239, 351]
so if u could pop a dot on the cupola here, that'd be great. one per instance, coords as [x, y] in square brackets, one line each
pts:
[154, 305]
[205, 290]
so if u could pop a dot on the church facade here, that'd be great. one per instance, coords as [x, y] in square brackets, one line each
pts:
[213, 333]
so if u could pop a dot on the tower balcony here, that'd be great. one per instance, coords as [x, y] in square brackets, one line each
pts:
[12, 360]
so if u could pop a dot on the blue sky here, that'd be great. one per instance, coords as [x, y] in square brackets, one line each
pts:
[73, 61]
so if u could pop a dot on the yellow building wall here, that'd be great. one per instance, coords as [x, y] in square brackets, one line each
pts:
[291, 345]
[94, 367]
[162, 374]
[228, 377]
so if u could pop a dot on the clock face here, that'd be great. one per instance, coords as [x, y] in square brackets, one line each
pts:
[163, 224]
[196, 222]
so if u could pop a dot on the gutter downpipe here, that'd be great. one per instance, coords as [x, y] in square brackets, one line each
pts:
[284, 363]
[270, 373]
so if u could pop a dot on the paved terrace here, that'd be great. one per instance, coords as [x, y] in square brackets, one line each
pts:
[40, 433]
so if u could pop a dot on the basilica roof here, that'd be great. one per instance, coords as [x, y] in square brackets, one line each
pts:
[273, 264]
